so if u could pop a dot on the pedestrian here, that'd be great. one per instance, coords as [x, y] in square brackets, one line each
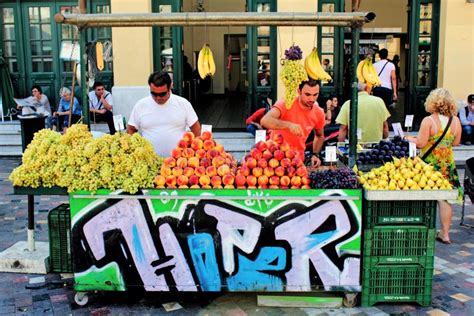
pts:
[466, 115]
[36, 103]
[297, 122]
[388, 79]
[163, 117]
[331, 112]
[438, 133]
[372, 117]
[60, 118]
[101, 106]
[396, 61]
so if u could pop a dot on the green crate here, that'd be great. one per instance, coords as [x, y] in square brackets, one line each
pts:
[399, 245]
[399, 213]
[59, 223]
[403, 283]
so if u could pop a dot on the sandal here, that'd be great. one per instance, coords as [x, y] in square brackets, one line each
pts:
[444, 241]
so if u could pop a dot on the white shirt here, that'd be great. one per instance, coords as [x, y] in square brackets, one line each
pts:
[386, 75]
[42, 106]
[95, 103]
[163, 124]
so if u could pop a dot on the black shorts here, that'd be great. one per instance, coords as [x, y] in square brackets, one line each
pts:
[385, 94]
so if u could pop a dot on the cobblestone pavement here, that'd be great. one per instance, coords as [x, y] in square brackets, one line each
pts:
[453, 280]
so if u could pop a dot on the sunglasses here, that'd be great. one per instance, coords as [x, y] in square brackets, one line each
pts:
[159, 94]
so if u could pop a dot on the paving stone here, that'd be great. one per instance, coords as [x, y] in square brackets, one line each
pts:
[461, 297]
[437, 312]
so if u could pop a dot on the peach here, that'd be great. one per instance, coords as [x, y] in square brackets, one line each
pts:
[285, 181]
[189, 137]
[262, 180]
[219, 148]
[197, 144]
[193, 162]
[257, 171]
[274, 180]
[182, 180]
[188, 171]
[240, 180]
[160, 182]
[267, 155]
[206, 187]
[165, 171]
[211, 171]
[279, 171]
[228, 179]
[272, 147]
[205, 162]
[278, 138]
[208, 144]
[170, 162]
[297, 162]
[177, 171]
[176, 153]
[206, 135]
[296, 181]
[306, 187]
[262, 187]
[273, 163]
[291, 171]
[285, 146]
[193, 180]
[200, 171]
[262, 146]
[290, 154]
[244, 170]
[278, 154]
[223, 170]
[188, 152]
[251, 181]
[200, 153]
[301, 171]
[204, 180]
[285, 162]
[268, 171]
[262, 163]
[251, 162]
[182, 144]
[216, 182]
[171, 181]
[212, 153]
[273, 186]
[184, 186]
[229, 186]
[195, 186]
[182, 162]
[218, 161]
[255, 153]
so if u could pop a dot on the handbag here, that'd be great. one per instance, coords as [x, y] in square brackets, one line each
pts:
[428, 152]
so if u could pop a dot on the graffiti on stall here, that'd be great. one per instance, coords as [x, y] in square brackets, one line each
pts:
[217, 246]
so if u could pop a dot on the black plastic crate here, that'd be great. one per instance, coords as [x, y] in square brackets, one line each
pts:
[399, 213]
[399, 245]
[402, 283]
[59, 223]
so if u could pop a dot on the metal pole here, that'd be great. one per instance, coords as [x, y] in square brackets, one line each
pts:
[354, 101]
[31, 223]
[83, 83]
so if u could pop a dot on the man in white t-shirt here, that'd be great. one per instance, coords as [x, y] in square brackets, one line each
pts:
[388, 79]
[163, 117]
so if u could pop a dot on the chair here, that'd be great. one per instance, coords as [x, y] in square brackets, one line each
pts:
[468, 187]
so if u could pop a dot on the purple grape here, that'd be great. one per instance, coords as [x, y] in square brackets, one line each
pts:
[293, 53]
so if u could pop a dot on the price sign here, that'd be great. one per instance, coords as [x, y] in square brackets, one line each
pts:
[412, 150]
[359, 133]
[206, 128]
[330, 155]
[409, 120]
[260, 135]
[397, 129]
[118, 122]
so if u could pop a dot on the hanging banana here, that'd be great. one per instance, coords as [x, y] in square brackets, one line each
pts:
[366, 73]
[314, 68]
[360, 77]
[206, 64]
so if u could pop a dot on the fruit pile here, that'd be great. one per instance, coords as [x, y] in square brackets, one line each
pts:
[384, 151]
[77, 161]
[343, 178]
[292, 73]
[273, 165]
[404, 174]
[197, 162]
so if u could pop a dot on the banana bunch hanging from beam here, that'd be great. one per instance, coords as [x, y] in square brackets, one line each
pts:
[366, 73]
[206, 65]
[314, 68]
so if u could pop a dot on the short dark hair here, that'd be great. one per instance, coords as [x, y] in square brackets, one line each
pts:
[98, 84]
[383, 53]
[310, 82]
[470, 98]
[160, 78]
[332, 96]
[37, 88]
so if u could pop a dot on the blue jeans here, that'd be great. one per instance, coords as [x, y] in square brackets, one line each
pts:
[468, 133]
[251, 129]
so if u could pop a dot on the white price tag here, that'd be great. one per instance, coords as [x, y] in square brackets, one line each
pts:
[118, 122]
[398, 130]
[359, 133]
[409, 120]
[412, 150]
[330, 155]
[206, 128]
[260, 135]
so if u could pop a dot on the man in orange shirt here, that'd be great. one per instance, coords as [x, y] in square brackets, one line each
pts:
[296, 123]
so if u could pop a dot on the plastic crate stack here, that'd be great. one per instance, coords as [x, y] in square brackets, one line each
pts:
[398, 251]
[59, 225]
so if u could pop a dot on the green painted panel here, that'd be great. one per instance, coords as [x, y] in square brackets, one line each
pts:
[107, 278]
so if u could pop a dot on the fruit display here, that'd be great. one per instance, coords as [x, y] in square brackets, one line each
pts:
[404, 174]
[292, 73]
[384, 151]
[273, 165]
[366, 73]
[206, 65]
[197, 163]
[343, 178]
[314, 68]
[77, 161]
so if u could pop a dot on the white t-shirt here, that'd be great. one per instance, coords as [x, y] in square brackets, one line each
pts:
[386, 75]
[163, 125]
[95, 103]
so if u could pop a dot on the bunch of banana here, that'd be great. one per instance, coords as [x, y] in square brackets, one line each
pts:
[206, 65]
[313, 67]
[366, 73]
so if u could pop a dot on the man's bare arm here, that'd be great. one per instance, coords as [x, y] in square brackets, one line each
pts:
[272, 120]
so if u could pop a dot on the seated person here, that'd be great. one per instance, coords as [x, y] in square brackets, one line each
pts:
[61, 116]
[36, 103]
[331, 112]
[466, 116]
[100, 106]
[253, 121]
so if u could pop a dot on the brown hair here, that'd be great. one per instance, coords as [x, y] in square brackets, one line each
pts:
[442, 102]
